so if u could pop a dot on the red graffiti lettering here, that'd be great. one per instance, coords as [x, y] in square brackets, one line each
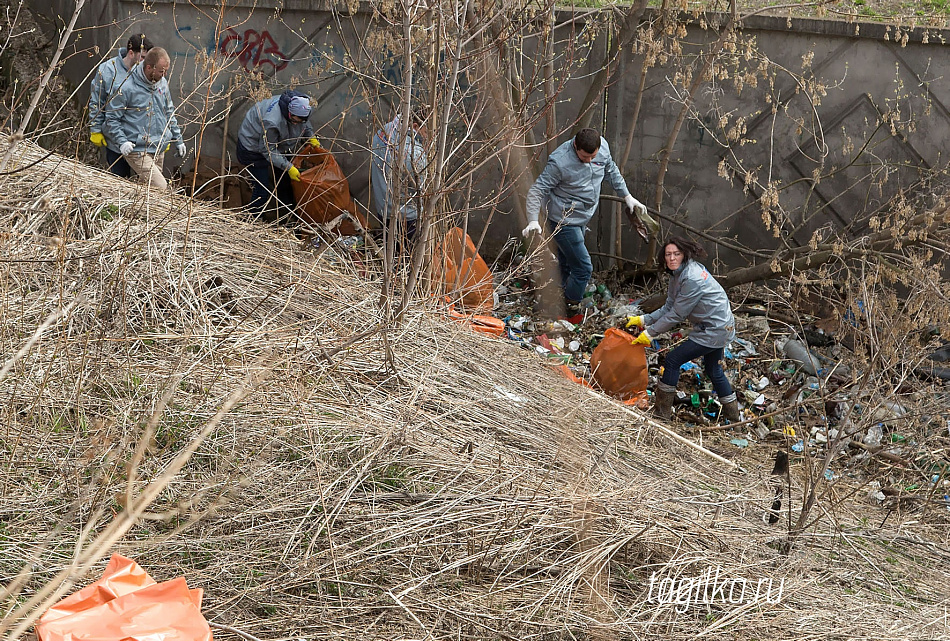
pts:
[252, 49]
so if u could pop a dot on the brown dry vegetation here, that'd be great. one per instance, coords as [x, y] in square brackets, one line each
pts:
[465, 492]
[215, 401]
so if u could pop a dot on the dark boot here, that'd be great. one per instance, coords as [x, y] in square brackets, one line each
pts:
[730, 408]
[663, 401]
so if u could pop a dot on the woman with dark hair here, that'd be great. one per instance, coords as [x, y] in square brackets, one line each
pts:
[696, 296]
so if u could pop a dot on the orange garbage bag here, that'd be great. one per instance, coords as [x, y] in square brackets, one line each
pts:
[465, 271]
[619, 368]
[126, 603]
[323, 193]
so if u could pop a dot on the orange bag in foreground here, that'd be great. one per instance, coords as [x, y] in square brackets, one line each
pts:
[323, 193]
[464, 271]
[126, 603]
[619, 368]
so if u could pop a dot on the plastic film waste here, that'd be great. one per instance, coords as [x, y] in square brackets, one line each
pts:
[126, 603]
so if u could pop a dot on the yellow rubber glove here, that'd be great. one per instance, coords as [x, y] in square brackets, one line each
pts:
[634, 321]
[314, 142]
[643, 339]
[97, 139]
[294, 173]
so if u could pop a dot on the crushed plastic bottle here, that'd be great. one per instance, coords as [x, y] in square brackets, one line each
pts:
[874, 435]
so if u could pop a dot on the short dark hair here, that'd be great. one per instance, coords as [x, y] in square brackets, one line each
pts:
[587, 139]
[690, 249]
[154, 55]
[138, 42]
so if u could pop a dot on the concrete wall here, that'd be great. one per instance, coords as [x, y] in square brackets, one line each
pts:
[864, 74]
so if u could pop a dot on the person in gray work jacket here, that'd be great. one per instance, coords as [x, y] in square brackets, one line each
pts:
[569, 189]
[386, 149]
[106, 81]
[140, 119]
[272, 132]
[696, 296]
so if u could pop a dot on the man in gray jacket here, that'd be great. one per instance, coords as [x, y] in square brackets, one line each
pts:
[140, 119]
[272, 132]
[106, 81]
[569, 189]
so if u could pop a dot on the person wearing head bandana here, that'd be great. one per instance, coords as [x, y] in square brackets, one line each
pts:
[273, 130]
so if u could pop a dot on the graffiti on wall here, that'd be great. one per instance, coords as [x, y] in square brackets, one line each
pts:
[253, 49]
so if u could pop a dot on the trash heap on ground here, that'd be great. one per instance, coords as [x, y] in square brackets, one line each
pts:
[796, 389]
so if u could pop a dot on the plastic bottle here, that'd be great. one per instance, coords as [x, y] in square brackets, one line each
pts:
[795, 350]
[874, 435]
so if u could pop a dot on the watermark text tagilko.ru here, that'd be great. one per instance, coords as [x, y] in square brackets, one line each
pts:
[711, 587]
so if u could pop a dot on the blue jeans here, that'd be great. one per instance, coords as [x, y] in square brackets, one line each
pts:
[117, 164]
[712, 357]
[573, 259]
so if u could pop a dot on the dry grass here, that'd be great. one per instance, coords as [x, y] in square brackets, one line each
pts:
[465, 492]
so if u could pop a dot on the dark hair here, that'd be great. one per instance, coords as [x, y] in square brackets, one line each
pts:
[690, 249]
[138, 42]
[588, 140]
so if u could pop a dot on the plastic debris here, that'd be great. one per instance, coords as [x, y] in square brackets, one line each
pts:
[126, 603]
[798, 447]
[740, 442]
[795, 350]
[874, 435]
[748, 349]
[875, 495]
[501, 392]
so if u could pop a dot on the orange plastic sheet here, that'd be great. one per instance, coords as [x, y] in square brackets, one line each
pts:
[480, 323]
[323, 193]
[465, 271]
[619, 368]
[566, 372]
[127, 604]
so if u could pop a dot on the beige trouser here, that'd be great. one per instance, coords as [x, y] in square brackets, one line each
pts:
[148, 168]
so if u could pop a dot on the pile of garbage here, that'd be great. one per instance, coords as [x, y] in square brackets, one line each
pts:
[795, 387]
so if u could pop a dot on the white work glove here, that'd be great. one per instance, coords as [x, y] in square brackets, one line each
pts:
[126, 148]
[635, 206]
[182, 150]
[532, 226]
